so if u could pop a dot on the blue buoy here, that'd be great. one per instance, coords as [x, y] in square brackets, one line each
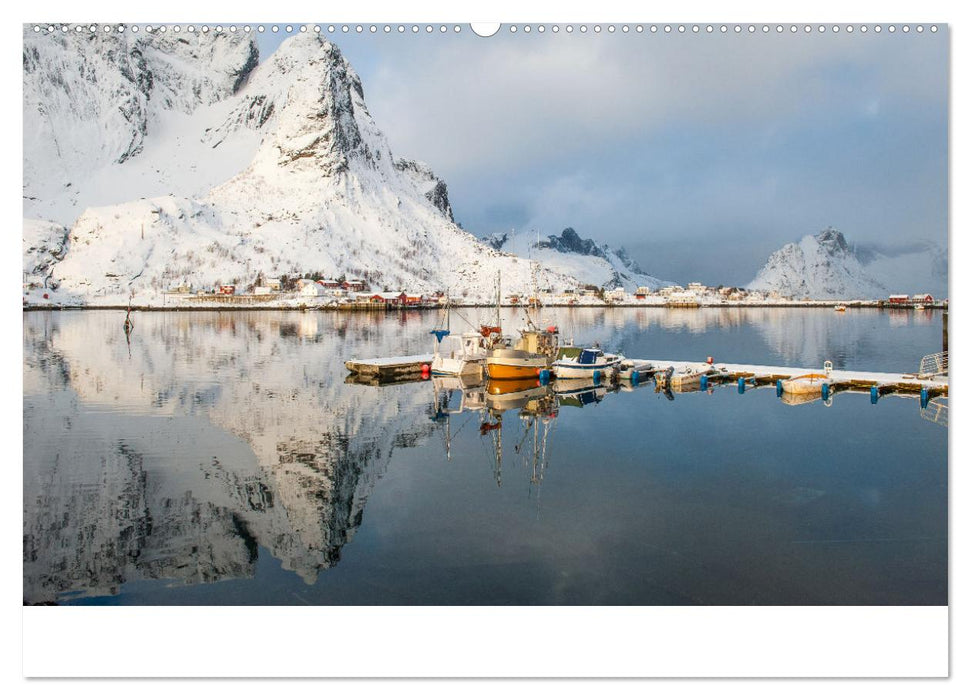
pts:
[596, 376]
[924, 397]
[544, 377]
[874, 394]
[704, 382]
[635, 377]
[741, 385]
[825, 392]
[778, 387]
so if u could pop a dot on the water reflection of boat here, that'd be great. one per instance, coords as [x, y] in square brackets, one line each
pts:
[503, 395]
[578, 392]
[587, 363]
[793, 399]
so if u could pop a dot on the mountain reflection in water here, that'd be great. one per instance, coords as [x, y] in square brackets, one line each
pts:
[188, 451]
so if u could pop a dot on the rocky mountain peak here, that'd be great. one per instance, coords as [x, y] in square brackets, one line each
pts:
[833, 240]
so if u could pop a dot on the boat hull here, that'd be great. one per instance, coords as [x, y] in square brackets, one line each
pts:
[572, 370]
[515, 364]
[456, 367]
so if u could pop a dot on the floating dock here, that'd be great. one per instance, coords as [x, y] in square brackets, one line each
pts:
[926, 384]
[389, 369]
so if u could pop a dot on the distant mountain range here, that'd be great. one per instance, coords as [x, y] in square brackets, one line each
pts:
[582, 258]
[825, 266]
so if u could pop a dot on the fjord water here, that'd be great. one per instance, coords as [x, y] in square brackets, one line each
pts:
[222, 458]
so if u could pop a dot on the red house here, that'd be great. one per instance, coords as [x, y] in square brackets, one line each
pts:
[898, 299]
[923, 299]
[227, 289]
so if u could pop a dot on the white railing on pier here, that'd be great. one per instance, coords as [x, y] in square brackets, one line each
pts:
[934, 364]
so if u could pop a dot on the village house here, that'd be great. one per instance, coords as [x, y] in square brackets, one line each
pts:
[227, 289]
[922, 299]
[642, 292]
[329, 284]
[354, 284]
[618, 295]
[898, 299]
[390, 299]
[274, 284]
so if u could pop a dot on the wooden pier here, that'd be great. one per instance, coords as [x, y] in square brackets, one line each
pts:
[389, 369]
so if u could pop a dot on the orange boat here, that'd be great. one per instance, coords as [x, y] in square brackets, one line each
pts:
[533, 352]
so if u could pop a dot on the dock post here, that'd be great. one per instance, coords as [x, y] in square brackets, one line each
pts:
[778, 387]
[945, 331]
[596, 376]
[825, 392]
[741, 385]
[635, 377]
[923, 397]
[874, 394]
[704, 382]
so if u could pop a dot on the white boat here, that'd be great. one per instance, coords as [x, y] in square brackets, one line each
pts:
[840, 307]
[463, 355]
[587, 363]
[684, 378]
[804, 384]
[626, 369]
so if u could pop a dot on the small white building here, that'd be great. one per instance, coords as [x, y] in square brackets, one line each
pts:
[617, 295]
[308, 288]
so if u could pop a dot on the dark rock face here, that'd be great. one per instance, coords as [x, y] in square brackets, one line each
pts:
[570, 242]
[833, 241]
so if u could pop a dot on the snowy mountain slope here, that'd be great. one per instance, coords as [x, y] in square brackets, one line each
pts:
[825, 266]
[577, 257]
[819, 267]
[278, 168]
[104, 113]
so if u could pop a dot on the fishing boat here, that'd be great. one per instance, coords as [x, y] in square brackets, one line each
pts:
[804, 384]
[534, 352]
[587, 363]
[465, 355]
[840, 307]
[528, 357]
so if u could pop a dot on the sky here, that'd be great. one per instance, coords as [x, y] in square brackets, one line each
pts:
[699, 153]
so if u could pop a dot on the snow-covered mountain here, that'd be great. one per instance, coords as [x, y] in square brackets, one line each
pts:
[825, 266]
[583, 258]
[171, 158]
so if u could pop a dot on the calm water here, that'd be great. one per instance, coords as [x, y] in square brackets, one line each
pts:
[222, 458]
